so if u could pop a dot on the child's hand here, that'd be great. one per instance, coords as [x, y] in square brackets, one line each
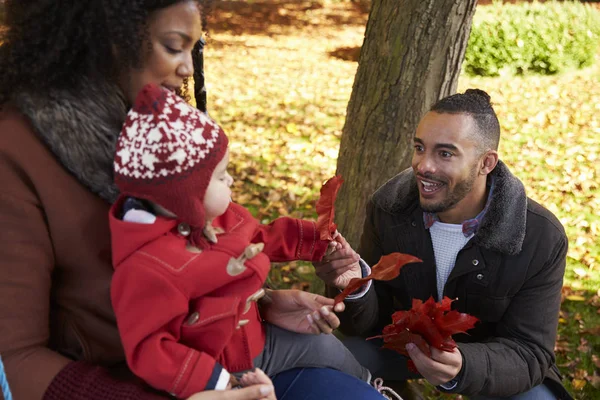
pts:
[338, 267]
[334, 245]
[233, 382]
[257, 377]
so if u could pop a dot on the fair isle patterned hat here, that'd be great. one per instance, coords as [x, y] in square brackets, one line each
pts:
[167, 152]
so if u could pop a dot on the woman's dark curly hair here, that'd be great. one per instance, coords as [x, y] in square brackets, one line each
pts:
[56, 43]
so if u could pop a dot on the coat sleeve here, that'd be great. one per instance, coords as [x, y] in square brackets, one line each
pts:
[150, 311]
[522, 350]
[83, 381]
[362, 315]
[288, 239]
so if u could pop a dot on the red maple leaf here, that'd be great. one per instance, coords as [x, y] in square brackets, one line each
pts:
[454, 322]
[398, 342]
[326, 207]
[425, 324]
[386, 269]
[389, 266]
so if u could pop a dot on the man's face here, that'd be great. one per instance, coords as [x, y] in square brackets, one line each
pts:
[445, 161]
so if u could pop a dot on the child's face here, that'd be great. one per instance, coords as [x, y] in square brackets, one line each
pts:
[218, 193]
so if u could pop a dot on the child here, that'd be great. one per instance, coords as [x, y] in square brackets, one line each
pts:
[190, 264]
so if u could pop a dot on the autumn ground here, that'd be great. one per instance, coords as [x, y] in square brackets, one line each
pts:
[280, 73]
[279, 82]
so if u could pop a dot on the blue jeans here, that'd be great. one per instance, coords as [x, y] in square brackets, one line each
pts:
[540, 392]
[321, 384]
[389, 365]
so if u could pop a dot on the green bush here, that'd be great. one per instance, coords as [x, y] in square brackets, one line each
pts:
[532, 38]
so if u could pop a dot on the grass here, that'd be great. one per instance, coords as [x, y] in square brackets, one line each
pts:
[278, 89]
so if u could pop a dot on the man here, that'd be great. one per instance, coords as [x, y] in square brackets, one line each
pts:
[482, 242]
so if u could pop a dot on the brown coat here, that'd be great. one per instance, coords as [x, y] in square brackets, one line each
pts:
[55, 260]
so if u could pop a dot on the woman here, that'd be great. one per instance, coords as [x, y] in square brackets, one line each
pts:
[68, 71]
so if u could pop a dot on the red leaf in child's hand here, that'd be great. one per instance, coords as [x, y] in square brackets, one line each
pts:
[386, 269]
[326, 207]
[389, 266]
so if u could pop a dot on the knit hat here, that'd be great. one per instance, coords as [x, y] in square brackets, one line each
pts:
[167, 152]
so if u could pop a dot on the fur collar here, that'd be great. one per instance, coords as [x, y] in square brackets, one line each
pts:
[80, 126]
[503, 226]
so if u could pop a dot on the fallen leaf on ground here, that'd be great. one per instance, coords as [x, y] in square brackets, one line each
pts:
[594, 381]
[583, 346]
[578, 384]
[592, 331]
[570, 364]
[580, 374]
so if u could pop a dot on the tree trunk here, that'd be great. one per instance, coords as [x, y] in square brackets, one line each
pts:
[410, 58]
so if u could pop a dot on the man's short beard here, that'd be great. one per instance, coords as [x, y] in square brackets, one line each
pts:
[462, 189]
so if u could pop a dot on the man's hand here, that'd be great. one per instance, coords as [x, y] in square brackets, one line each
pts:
[339, 267]
[299, 311]
[441, 368]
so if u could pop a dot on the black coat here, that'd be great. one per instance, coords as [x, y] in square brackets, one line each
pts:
[509, 275]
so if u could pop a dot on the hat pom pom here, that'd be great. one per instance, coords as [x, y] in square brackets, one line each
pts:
[150, 100]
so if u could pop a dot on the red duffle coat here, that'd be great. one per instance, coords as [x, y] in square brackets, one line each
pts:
[183, 316]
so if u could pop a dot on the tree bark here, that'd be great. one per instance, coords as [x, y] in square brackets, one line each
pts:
[411, 57]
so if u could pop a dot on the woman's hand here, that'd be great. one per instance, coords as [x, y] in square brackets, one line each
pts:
[255, 392]
[257, 377]
[299, 311]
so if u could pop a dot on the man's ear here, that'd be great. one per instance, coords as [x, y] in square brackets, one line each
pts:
[488, 162]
